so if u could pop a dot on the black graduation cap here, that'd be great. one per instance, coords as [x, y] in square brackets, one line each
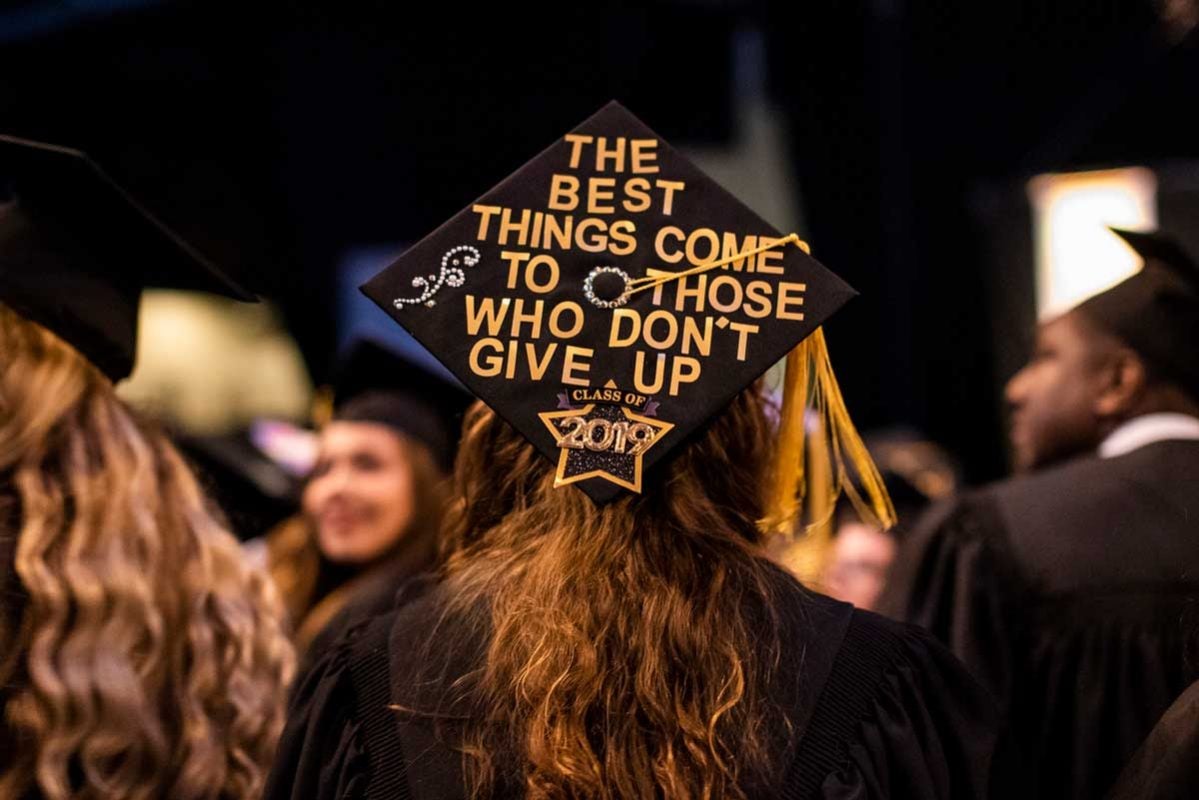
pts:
[254, 491]
[607, 299]
[374, 383]
[1156, 310]
[76, 250]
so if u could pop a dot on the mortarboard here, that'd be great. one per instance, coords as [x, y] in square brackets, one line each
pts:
[373, 383]
[76, 250]
[1156, 310]
[608, 299]
[255, 492]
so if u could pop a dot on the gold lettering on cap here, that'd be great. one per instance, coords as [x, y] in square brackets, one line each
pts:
[493, 364]
[564, 193]
[644, 155]
[790, 294]
[577, 140]
[577, 360]
[576, 312]
[684, 370]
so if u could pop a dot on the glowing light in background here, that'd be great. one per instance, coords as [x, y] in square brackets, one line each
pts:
[1076, 255]
[212, 365]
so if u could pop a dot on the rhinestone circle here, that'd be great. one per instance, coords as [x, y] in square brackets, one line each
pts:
[589, 288]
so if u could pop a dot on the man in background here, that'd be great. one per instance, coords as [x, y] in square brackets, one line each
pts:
[1072, 590]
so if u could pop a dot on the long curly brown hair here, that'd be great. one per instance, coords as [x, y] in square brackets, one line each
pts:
[630, 645]
[139, 657]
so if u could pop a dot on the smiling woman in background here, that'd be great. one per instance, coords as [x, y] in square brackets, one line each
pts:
[373, 501]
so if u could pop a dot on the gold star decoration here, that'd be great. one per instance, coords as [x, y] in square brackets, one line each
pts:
[606, 442]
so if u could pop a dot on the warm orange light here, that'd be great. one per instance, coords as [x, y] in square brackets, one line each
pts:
[1076, 255]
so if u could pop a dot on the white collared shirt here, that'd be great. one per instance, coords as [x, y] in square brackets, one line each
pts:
[1147, 429]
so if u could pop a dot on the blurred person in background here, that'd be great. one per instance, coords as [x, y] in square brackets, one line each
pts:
[373, 501]
[1071, 589]
[916, 473]
[139, 656]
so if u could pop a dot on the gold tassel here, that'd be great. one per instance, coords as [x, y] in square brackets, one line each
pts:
[787, 486]
[810, 384]
[807, 555]
[322, 406]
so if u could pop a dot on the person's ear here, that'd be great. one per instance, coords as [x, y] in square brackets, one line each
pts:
[1125, 378]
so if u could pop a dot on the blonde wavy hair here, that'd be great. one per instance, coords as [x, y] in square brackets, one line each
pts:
[139, 656]
[630, 646]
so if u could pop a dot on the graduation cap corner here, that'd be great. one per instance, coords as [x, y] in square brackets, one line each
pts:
[76, 251]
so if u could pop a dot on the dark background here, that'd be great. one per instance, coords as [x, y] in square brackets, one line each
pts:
[277, 136]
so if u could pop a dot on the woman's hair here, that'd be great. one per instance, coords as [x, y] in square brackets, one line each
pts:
[630, 645]
[139, 656]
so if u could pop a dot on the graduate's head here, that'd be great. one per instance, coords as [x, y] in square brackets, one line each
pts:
[127, 612]
[1120, 354]
[109, 553]
[609, 299]
[377, 485]
[599, 611]
[370, 488]
[1060, 401]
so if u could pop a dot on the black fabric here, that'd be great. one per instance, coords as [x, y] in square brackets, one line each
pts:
[321, 754]
[44, 275]
[370, 675]
[1073, 595]
[372, 592]
[841, 707]
[924, 730]
[408, 414]
[1166, 767]
[1163, 248]
[882, 710]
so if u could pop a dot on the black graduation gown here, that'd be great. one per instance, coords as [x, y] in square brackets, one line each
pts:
[1166, 767]
[373, 594]
[884, 712]
[1072, 593]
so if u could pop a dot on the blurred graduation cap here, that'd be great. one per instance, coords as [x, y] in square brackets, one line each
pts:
[1156, 310]
[609, 298]
[374, 383]
[916, 471]
[76, 251]
[255, 490]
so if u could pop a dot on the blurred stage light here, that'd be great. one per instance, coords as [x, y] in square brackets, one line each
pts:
[211, 365]
[1076, 256]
